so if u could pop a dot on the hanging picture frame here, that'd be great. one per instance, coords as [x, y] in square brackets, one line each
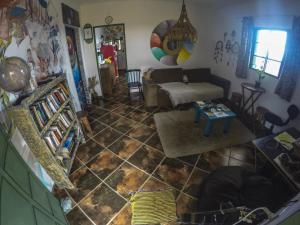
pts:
[88, 33]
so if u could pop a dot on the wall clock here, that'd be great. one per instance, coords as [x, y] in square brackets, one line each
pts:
[108, 20]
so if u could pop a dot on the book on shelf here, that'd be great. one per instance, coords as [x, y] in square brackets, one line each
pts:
[61, 125]
[70, 114]
[55, 101]
[64, 122]
[64, 89]
[41, 113]
[37, 118]
[50, 143]
[57, 133]
[41, 108]
[50, 104]
[69, 141]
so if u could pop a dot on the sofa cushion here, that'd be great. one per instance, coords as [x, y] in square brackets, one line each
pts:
[167, 75]
[207, 91]
[198, 75]
[181, 93]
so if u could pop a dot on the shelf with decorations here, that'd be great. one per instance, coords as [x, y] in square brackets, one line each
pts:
[47, 120]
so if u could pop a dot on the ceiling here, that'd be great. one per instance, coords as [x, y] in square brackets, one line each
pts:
[215, 3]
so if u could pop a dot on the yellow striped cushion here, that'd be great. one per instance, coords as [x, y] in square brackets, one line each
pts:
[153, 207]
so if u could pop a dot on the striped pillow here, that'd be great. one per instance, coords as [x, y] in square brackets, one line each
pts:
[153, 207]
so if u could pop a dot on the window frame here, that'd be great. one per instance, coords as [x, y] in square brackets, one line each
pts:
[256, 29]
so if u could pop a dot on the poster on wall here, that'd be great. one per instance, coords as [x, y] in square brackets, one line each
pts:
[70, 16]
[29, 30]
[169, 52]
[72, 49]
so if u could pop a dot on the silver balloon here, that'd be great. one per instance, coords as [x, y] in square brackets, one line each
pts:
[14, 74]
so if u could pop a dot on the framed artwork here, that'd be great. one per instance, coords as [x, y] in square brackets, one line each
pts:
[70, 16]
[88, 33]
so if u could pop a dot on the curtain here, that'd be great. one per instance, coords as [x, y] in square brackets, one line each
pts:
[290, 67]
[245, 49]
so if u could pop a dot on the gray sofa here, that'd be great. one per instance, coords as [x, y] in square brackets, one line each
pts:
[205, 85]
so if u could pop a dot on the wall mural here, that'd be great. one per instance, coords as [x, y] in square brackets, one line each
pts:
[229, 46]
[73, 53]
[166, 55]
[29, 29]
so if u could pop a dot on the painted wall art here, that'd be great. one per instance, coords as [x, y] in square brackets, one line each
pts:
[29, 29]
[73, 53]
[165, 54]
[227, 50]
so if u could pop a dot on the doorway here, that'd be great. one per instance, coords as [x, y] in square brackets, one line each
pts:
[110, 43]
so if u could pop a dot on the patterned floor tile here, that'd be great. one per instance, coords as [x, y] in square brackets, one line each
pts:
[109, 118]
[98, 113]
[88, 150]
[225, 151]
[154, 142]
[91, 108]
[104, 164]
[91, 119]
[147, 109]
[210, 161]
[191, 159]
[127, 179]
[76, 164]
[102, 204]
[235, 162]
[123, 110]
[125, 147]
[193, 185]
[124, 125]
[77, 217]
[124, 217]
[141, 133]
[243, 152]
[97, 127]
[85, 181]
[173, 172]
[60, 193]
[111, 105]
[154, 184]
[147, 158]
[149, 121]
[186, 204]
[107, 137]
[137, 115]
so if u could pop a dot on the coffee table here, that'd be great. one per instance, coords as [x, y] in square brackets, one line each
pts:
[213, 112]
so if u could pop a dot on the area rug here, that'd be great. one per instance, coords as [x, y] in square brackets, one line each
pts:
[180, 136]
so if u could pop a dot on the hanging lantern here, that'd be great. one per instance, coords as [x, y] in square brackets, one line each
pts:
[183, 29]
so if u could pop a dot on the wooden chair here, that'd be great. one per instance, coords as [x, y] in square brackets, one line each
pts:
[276, 120]
[133, 78]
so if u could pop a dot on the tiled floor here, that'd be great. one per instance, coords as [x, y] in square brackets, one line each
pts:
[125, 155]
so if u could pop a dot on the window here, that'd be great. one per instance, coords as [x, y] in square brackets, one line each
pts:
[269, 48]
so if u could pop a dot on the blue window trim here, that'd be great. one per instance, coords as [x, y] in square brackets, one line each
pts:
[256, 29]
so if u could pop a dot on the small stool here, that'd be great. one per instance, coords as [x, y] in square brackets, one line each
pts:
[83, 118]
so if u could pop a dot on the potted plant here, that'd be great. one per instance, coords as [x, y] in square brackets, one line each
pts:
[261, 75]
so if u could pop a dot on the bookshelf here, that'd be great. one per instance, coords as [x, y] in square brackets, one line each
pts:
[47, 120]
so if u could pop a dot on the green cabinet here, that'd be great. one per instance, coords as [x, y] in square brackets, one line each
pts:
[23, 198]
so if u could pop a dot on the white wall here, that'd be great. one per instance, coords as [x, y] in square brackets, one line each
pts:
[140, 18]
[267, 13]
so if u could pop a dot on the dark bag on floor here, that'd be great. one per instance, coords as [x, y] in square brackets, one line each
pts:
[238, 185]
